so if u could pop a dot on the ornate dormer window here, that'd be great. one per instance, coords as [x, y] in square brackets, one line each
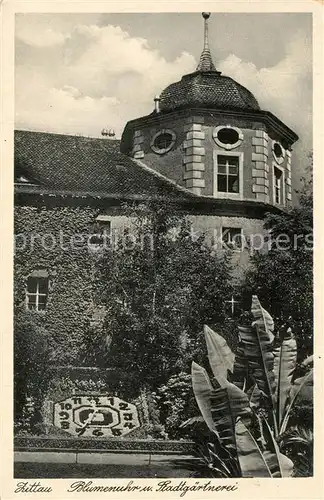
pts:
[227, 137]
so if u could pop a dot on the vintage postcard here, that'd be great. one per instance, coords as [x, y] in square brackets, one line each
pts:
[162, 288]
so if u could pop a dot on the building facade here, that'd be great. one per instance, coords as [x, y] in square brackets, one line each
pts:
[207, 147]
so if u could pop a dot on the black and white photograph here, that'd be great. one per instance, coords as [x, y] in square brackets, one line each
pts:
[163, 289]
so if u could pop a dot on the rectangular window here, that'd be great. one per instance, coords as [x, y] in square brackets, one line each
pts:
[100, 234]
[232, 237]
[37, 292]
[227, 174]
[277, 186]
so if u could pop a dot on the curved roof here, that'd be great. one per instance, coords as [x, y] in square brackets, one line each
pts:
[207, 89]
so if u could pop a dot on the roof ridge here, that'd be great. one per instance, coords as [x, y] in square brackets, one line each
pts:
[75, 136]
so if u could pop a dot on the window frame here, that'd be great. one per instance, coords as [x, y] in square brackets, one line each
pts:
[223, 145]
[238, 229]
[278, 159]
[37, 275]
[101, 224]
[162, 151]
[282, 192]
[224, 194]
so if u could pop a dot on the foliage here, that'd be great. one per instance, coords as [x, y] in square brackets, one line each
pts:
[70, 305]
[176, 402]
[247, 425]
[32, 354]
[286, 270]
[157, 293]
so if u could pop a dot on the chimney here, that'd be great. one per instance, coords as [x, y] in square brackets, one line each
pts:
[157, 104]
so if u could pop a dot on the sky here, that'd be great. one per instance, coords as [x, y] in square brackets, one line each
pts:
[78, 73]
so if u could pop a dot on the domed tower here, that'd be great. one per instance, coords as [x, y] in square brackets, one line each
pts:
[208, 134]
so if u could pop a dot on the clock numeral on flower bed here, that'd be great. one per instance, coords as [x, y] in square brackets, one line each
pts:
[116, 432]
[66, 406]
[128, 416]
[130, 425]
[97, 432]
[77, 401]
[65, 425]
[64, 415]
[123, 406]
[80, 431]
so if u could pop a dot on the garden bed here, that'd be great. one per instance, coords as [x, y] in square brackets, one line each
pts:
[36, 443]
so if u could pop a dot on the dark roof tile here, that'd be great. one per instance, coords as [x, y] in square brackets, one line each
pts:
[207, 89]
[78, 164]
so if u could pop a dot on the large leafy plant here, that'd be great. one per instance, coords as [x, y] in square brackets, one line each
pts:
[249, 401]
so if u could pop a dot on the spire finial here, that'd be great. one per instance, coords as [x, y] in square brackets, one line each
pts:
[206, 62]
[206, 16]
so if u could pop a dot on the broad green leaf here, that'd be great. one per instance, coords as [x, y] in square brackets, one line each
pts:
[203, 389]
[221, 358]
[301, 390]
[262, 317]
[240, 368]
[285, 356]
[258, 353]
[224, 419]
[251, 460]
[279, 464]
[238, 401]
[286, 465]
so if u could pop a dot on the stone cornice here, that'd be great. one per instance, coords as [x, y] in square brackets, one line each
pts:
[266, 117]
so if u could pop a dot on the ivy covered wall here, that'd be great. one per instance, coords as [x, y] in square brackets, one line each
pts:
[43, 236]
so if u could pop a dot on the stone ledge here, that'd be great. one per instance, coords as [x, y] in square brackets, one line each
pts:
[195, 166]
[192, 159]
[259, 173]
[262, 134]
[195, 134]
[199, 183]
[193, 174]
[259, 141]
[289, 196]
[192, 127]
[138, 154]
[259, 189]
[262, 150]
[190, 143]
[195, 151]
[260, 181]
[259, 157]
[261, 165]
